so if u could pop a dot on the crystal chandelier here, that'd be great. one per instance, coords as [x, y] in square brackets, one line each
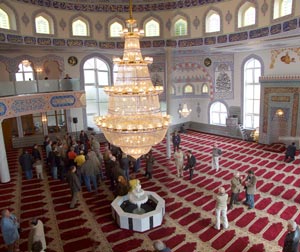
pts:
[185, 112]
[134, 121]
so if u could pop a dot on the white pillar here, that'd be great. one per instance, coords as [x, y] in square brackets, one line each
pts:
[4, 171]
[168, 95]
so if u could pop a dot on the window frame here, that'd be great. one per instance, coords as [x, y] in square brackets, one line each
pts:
[96, 84]
[110, 28]
[246, 93]
[207, 21]
[11, 13]
[157, 25]
[277, 10]
[219, 113]
[241, 9]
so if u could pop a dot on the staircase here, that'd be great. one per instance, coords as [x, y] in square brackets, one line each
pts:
[243, 132]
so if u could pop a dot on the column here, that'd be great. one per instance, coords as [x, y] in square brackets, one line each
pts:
[4, 171]
[168, 95]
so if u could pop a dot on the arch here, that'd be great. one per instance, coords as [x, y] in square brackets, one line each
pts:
[155, 18]
[180, 25]
[11, 13]
[247, 14]
[210, 22]
[188, 89]
[243, 90]
[172, 90]
[48, 17]
[282, 9]
[82, 81]
[112, 20]
[83, 24]
[217, 112]
[205, 88]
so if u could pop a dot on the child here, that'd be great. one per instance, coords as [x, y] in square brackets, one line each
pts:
[39, 169]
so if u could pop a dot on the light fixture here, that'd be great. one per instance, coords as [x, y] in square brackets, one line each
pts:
[185, 112]
[134, 121]
[39, 70]
[44, 118]
[279, 112]
[26, 63]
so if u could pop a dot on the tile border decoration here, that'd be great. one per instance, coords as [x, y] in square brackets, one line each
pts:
[35, 103]
[285, 26]
[139, 6]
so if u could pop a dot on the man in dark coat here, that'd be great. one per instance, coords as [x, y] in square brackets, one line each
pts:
[176, 140]
[291, 241]
[290, 153]
[149, 164]
[89, 171]
[74, 185]
[190, 165]
[26, 162]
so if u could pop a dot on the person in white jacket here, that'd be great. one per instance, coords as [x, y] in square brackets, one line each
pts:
[37, 234]
[221, 209]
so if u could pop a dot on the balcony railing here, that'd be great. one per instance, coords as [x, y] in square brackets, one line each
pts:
[11, 88]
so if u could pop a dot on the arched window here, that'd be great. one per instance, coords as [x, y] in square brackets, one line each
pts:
[282, 8]
[96, 77]
[115, 29]
[42, 25]
[212, 22]
[218, 113]
[152, 28]
[246, 15]
[252, 72]
[80, 27]
[7, 17]
[180, 27]
[4, 20]
[188, 89]
[25, 72]
[204, 88]
[172, 90]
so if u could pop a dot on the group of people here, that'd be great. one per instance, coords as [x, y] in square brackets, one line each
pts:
[10, 228]
[190, 164]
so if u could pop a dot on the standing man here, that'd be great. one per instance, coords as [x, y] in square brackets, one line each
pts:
[149, 164]
[26, 162]
[221, 209]
[9, 229]
[236, 187]
[179, 159]
[191, 162]
[176, 140]
[291, 241]
[290, 153]
[216, 153]
[250, 185]
[89, 171]
[74, 185]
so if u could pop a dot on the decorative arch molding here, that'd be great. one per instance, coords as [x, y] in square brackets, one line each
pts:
[212, 8]
[287, 17]
[52, 22]
[177, 15]
[12, 64]
[84, 18]
[214, 101]
[13, 16]
[251, 56]
[109, 21]
[237, 11]
[150, 16]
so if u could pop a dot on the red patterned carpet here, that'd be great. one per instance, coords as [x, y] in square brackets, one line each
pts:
[189, 219]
